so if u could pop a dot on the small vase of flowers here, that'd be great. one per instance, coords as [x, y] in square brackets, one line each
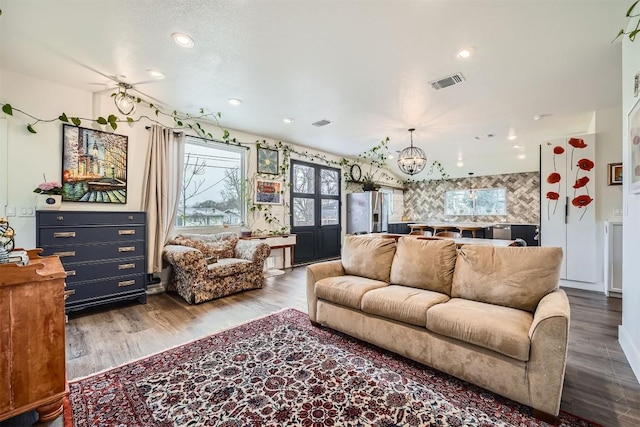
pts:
[49, 195]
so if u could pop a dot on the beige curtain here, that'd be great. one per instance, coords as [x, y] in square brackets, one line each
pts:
[163, 179]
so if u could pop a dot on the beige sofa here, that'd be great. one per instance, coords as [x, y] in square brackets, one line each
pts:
[491, 316]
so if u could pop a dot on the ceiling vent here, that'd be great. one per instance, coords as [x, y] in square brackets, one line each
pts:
[443, 82]
[321, 123]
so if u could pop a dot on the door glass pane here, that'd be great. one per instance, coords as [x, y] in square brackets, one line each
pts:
[303, 179]
[330, 212]
[329, 182]
[303, 212]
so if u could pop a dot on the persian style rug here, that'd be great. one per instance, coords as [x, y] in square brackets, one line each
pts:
[282, 371]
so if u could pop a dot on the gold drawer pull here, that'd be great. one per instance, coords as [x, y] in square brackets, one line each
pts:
[127, 249]
[126, 232]
[67, 253]
[126, 266]
[71, 272]
[64, 234]
[60, 218]
[126, 283]
[130, 217]
[68, 293]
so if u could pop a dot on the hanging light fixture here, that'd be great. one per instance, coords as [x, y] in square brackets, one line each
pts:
[412, 160]
[125, 103]
[471, 194]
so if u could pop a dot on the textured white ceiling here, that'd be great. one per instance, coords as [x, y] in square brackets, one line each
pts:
[362, 64]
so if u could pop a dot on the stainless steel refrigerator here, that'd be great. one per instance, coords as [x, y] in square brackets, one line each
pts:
[367, 212]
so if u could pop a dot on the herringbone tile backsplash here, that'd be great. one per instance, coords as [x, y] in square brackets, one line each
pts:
[425, 200]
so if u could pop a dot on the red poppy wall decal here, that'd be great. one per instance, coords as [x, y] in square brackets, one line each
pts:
[576, 143]
[558, 150]
[582, 201]
[585, 164]
[553, 178]
[552, 195]
[581, 182]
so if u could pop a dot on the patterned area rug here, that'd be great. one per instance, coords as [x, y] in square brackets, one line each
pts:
[282, 371]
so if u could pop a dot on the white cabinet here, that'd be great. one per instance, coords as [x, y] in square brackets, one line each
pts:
[568, 199]
[612, 257]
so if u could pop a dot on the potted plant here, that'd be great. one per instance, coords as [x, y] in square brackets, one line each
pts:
[49, 195]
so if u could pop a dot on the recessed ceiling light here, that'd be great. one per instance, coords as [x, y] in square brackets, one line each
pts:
[234, 101]
[522, 156]
[156, 74]
[511, 137]
[182, 40]
[464, 53]
[390, 156]
[516, 146]
[288, 120]
[460, 164]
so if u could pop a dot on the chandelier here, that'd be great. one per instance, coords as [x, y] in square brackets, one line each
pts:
[412, 160]
[125, 103]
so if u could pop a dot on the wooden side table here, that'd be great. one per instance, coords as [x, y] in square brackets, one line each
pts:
[32, 348]
[279, 242]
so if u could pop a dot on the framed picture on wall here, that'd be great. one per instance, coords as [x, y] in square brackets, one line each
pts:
[633, 174]
[94, 166]
[614, 174]
[268, 192]
[267, 161]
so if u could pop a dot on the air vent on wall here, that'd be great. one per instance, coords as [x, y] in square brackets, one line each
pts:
[321, 123]
[443, 82]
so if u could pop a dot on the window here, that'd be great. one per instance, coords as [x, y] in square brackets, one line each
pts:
[485, 201]
[211, 192]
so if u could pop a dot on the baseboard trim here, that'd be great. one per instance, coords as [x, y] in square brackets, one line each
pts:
[630, 350]
[582, 285]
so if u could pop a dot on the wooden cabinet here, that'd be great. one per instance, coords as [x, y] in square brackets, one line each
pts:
[525, 232]
[103, 253]
[32, 349]
[398, 228]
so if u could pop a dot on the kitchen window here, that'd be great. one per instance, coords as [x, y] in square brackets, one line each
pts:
[211, 191]
[483, 201]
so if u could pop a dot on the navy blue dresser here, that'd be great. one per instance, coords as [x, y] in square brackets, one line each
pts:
[103, 254]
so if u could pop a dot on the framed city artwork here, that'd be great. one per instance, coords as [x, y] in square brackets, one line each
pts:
[614, 174]
[633, 174]
[268, 192]
[267, 161]
[94, 166]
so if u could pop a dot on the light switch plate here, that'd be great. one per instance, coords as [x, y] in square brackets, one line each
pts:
[10, 211]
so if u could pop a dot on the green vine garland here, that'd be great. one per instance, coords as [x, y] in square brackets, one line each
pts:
[374, 159]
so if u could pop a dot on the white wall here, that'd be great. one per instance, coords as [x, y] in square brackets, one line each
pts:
[629, 331]
[25, 157]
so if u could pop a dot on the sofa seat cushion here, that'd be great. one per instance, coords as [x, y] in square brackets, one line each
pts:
[424, 264]
[514, 277]
[368, 257]
[346, 290]
[228, 267]
[494, 327]
[402, 303]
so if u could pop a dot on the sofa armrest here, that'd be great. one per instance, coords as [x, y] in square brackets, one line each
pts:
[184, 257]
[317, 272]
[252, 250]
[549, 335]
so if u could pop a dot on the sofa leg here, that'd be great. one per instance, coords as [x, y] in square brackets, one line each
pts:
[547, 418]
[314, 323]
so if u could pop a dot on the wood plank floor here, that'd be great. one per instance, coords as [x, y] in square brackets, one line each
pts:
[599, 384]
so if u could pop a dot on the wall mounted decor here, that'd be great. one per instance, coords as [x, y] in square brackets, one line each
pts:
[614, 174]
[633, 174]
[94, 166]
[268, 192]
[267, 161]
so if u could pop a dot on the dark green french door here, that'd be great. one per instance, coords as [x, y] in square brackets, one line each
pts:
[315, 211]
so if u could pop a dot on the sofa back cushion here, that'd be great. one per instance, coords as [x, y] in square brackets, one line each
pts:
[424, 264]
[212, 246]
[368, 257]
[516, 277]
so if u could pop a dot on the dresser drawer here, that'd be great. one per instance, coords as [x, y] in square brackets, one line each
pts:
[89, 271]
[89, 252]
[102, 289]
[63, 236]
[65, 218]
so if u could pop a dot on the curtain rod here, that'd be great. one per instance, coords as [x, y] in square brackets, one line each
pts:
[217, 141]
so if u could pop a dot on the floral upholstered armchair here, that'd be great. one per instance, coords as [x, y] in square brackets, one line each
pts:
[209, 266]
